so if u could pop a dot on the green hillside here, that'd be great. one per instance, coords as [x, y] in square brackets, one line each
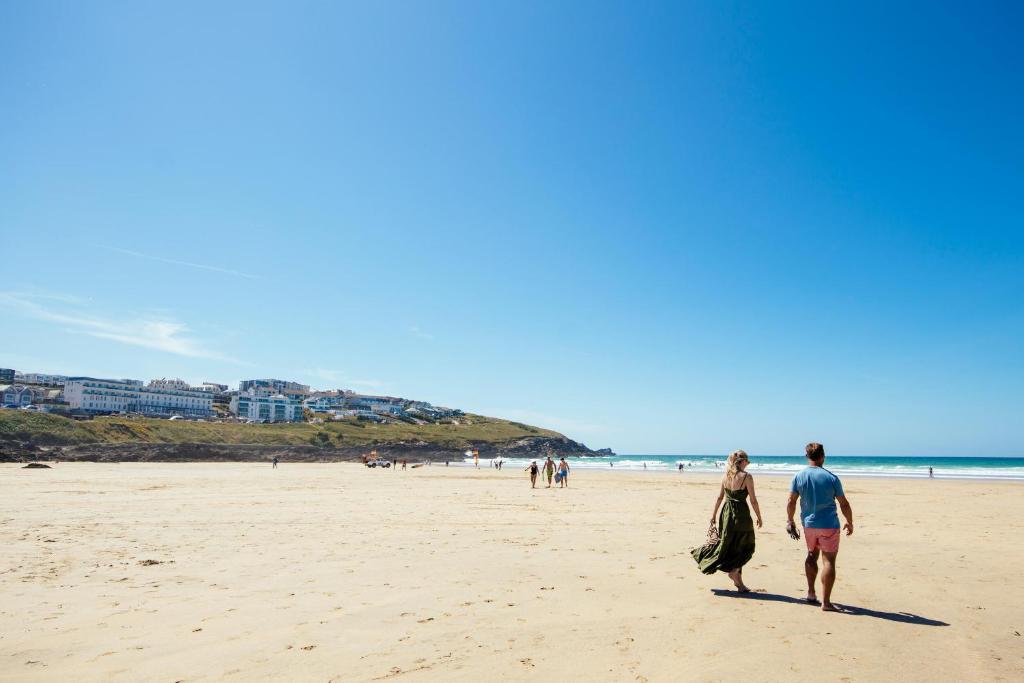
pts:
[52, 430]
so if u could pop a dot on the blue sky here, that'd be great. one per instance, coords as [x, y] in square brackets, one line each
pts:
[677, 228]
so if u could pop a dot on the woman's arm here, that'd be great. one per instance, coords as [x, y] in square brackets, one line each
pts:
[753, 499]
[718, 501]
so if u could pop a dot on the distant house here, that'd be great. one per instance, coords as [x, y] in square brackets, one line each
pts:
[20, 395]
[7, 375]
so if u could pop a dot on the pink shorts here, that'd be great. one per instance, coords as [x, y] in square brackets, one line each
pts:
[827, 540]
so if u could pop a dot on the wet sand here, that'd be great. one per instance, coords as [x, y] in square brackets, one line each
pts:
[190, 572]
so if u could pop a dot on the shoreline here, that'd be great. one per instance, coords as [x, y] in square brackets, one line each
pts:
[777, 474]
[659, 472]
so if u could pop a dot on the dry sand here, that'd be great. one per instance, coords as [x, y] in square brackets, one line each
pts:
[189, 572]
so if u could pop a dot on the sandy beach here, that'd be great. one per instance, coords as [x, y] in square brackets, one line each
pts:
[203, 572]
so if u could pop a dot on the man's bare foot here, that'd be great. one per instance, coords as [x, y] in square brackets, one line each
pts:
[812, 599]
[829, 607]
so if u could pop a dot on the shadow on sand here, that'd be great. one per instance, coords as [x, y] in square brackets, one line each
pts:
[902, 617]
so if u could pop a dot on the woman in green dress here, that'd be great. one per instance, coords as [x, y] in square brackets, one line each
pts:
[735, 545]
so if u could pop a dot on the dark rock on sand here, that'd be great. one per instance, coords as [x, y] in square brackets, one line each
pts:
[36, 466]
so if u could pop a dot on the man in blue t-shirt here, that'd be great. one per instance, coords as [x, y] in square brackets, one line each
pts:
[818, 491]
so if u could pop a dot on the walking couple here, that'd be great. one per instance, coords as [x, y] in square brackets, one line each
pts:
[818, 491]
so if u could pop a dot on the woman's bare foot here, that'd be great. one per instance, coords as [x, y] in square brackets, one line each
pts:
[812, 599]
[737, 579]
[829, 607]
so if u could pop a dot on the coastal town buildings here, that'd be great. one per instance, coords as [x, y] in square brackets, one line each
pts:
[257, 400]
[263, 407]
[160, 397]
[349, 403]
[41, 378]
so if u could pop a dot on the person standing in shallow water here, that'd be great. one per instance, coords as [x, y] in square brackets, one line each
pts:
[735, 544]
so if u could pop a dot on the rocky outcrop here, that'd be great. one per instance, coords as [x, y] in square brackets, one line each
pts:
[528, 447]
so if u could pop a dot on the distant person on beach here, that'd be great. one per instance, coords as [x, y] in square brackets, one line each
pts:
[563, 470]
[498, 462]
[931, 473]
[533, 470]
[735, 544]
[274, 461]
[549, 469]
[818, 491]
[403, 463]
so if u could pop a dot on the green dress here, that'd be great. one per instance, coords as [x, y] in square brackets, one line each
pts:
[735, 544]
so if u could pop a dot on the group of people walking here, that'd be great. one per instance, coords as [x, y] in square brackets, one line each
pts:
[559, 473]
[731, 542]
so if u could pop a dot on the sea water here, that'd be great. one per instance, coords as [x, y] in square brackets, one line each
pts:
[944, 467]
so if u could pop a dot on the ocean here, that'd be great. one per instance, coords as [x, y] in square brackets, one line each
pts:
[913, 467]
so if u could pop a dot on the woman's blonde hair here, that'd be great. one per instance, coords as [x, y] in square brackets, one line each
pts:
[736, 457]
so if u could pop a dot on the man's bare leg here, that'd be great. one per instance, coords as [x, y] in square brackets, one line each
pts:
[811, 569]
[828, 579]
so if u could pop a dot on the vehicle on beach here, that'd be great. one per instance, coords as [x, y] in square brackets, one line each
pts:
[378, 463]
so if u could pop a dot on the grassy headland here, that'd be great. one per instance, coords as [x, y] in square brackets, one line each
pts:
[40, 429]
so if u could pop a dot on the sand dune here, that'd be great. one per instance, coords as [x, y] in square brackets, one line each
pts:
[203, 572]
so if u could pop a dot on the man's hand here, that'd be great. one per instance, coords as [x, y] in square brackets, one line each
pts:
[758, 522]
[849, 528]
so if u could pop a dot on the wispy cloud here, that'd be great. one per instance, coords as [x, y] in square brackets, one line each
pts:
[160, 334]
[415, 331]
[339, 378]
[188, 264]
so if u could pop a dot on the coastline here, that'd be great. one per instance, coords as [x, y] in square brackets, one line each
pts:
[836, 465]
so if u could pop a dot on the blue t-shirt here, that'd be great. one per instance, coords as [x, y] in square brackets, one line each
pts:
[818, 489]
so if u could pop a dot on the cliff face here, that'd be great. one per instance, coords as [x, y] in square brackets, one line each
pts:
[528, 447]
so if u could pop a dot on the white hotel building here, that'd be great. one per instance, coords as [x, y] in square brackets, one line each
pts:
[161, 397]
[261, 407]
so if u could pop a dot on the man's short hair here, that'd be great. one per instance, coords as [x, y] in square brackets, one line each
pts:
[815, 451]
